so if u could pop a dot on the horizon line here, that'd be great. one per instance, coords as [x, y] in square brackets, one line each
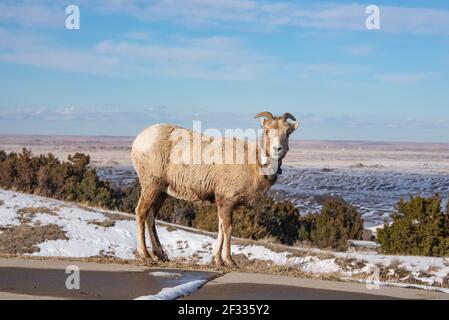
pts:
[291, 139]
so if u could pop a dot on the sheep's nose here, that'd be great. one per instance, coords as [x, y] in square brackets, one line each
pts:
[277, 148]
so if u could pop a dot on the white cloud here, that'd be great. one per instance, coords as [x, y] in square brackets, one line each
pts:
[64, 60]
[205, 58]
[415, 20]
[227, 13]
[201, 57]
[29, 48]
[220, 58]
[129, 115]
[230, 13]
[402, 78]
[372, 122]
[32, 14]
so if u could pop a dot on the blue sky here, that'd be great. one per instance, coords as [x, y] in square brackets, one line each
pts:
[134, 63]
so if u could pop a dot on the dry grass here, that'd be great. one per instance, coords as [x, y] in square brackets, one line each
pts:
[26, 214]
[117, 216]
[350, 264]
[171, 229]
[112, 218]
[394, 264]
[105, 224]
[433, 269]
[24, 238]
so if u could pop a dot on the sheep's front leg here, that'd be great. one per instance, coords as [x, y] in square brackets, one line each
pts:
[218, 247]
[226, 218]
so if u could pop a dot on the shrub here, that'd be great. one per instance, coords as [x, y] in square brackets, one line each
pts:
[177, 211]
[129, 198]
[447, 209]
[278, 220]
[2, 155]
[45, 175]
[337, 223]
[205, 217]
[8, 171]
[419, 227]
[281, 219]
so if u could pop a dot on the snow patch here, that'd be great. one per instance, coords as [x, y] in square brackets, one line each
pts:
[175, 292]
[164, 274]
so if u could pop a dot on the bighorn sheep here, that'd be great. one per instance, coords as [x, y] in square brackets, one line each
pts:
[227, 185]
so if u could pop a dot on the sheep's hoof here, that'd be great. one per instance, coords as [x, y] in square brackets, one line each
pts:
[230, 263]
[218, 262]
[145, 258]
[143, 255]
[161, 256]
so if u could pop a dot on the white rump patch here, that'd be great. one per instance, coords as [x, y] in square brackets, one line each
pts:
[145, 141]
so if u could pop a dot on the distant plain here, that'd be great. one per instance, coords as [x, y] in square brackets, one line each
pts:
[372, 176]
[107, 151]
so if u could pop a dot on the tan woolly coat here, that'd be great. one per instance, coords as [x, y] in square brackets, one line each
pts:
[165, 159]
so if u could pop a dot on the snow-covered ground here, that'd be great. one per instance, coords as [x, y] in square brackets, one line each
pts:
[88, 235]
[175, 292]
[374, 192]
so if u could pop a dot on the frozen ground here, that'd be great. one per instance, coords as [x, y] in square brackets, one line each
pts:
[373, 192]
[87, 236]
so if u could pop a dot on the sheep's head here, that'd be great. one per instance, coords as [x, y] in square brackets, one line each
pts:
[276, 131]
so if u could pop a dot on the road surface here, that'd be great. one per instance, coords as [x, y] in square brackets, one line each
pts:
[46, 279]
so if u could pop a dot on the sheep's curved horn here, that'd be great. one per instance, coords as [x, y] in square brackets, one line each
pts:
[265, 114]
[287, 116]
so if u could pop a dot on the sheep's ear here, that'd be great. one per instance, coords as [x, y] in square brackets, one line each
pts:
[262, 121]
[293, 126]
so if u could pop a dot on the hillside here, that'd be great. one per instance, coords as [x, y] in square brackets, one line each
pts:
[40, 227]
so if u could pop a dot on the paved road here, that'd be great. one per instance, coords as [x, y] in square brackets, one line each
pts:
[27, 279]
[39, 279]
[251, 286]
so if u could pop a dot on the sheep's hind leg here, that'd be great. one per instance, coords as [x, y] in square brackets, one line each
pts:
[158, 251]
[143, 206]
